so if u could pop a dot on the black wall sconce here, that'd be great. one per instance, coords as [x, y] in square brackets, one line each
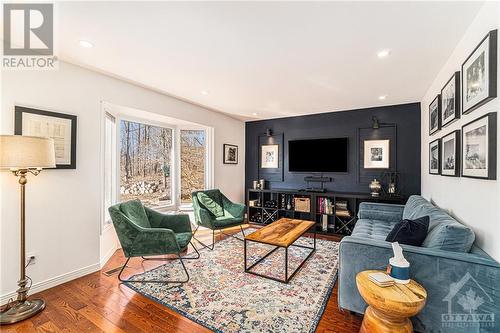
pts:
[375, 123]
[269, 132]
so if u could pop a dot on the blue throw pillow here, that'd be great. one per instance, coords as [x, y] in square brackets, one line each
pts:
[410, 232]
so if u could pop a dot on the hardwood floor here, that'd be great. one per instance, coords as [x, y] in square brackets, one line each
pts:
[99, 303]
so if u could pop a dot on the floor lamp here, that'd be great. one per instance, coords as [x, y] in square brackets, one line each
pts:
[24, 155]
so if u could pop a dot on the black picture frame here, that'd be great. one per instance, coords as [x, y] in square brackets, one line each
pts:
[18, 129]
[491, 171]
[437, 100]
[438, 142]
[492, 39]
[225, 159]
[457, 146]
[455, 78]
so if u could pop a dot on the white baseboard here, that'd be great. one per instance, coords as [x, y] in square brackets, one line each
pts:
[52, 282]
[108, 255]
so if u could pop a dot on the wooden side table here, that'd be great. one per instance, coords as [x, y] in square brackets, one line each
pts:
[389, 308]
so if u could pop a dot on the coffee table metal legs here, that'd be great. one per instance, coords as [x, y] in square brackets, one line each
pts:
[287, 278]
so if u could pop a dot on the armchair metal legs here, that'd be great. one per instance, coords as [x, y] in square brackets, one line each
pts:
[211, 247]
[161, 259]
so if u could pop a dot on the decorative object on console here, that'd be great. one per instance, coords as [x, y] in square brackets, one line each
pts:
[58, 126]
[230, 154]
[479, 147]
[450, 161]
[450, 100]
[391, 180]
[375, 188]
[24, 155]
[434, 156]
[302, 204]
[269, 157]
[255, 184]
[262, 184]
[435, 115]
[479, 74]
[376, 154]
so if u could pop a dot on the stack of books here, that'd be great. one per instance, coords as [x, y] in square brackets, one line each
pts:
[325, 206]
[381, 279]
[341, 209]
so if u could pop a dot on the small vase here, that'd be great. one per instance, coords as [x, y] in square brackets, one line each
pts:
[375, 187]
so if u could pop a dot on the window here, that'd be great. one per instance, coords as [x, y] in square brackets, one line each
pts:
[146, 163]
[193, 162]
[109, 165]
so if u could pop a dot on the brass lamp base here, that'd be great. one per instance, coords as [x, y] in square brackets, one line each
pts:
[21, 311]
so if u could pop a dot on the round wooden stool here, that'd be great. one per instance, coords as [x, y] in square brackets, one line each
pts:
[389, 308]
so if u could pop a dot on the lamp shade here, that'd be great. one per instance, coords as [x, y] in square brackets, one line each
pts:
[26, 152]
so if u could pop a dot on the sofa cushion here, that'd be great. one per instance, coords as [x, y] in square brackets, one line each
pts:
[372, 229]
[212, 200]
[409, 232]
[134, 210]
[445, 233]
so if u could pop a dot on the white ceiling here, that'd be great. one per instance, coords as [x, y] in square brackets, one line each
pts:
[274, 59]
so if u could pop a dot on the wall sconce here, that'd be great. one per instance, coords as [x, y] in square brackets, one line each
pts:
[269, 132]
[375, 123]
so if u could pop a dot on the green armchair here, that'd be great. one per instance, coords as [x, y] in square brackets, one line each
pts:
[143, 232]
[213, 210]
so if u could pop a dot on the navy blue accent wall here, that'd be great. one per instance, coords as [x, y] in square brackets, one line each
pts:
[405, 118]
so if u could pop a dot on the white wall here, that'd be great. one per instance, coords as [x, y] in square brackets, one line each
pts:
[63, 206]
[474, 202]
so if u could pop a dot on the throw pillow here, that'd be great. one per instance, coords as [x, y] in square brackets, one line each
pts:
[410, 232]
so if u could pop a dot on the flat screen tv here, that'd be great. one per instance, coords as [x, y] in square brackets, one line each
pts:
[318, 155]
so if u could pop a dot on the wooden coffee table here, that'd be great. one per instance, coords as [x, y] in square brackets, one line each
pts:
[282, 234]
[389, 308]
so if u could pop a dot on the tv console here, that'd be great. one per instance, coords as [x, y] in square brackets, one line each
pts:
[335, 213]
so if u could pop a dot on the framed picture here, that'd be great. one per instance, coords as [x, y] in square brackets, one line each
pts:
[376, 154]
[450, 100]
[450, 152]
[435, 115]
[230, 154]
[434, 157]
[479, 147]
[58, 126]
[479, 74]
[269, 158]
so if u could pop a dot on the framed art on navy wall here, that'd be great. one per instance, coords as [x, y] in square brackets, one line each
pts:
[479, 147]
[450, 100]
[434, 157]
[435, 115]
[450, 152]
[58, 126]
[479, 74]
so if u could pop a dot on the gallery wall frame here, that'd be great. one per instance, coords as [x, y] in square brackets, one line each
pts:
[229, 153]
[479, 74]
[450, 154]
[59, 126]
[479, 147]
[269, 172]
[450, 100]
[435, 115]
[435, 157]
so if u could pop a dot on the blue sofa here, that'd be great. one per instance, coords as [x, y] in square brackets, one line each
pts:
[462, 281]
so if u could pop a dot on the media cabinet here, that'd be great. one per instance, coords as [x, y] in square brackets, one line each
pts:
[338, 209]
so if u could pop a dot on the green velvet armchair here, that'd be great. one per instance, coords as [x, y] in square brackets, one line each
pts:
[143, 232]
[213, 210]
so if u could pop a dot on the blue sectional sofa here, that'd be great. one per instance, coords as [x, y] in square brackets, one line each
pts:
[462, 281]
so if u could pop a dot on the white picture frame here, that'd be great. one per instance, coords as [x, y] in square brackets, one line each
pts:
[376, 154]
[269, 157]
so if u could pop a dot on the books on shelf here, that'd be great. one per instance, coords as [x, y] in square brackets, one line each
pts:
[325, 206]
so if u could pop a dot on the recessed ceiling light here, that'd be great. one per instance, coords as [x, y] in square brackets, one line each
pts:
[86, 44]
[204, 92]
[382, 97]
[383, 53]
[254, 113]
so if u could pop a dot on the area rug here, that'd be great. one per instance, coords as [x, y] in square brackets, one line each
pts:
[223, 298]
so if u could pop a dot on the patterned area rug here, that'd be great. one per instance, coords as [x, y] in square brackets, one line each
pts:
[221, 297]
